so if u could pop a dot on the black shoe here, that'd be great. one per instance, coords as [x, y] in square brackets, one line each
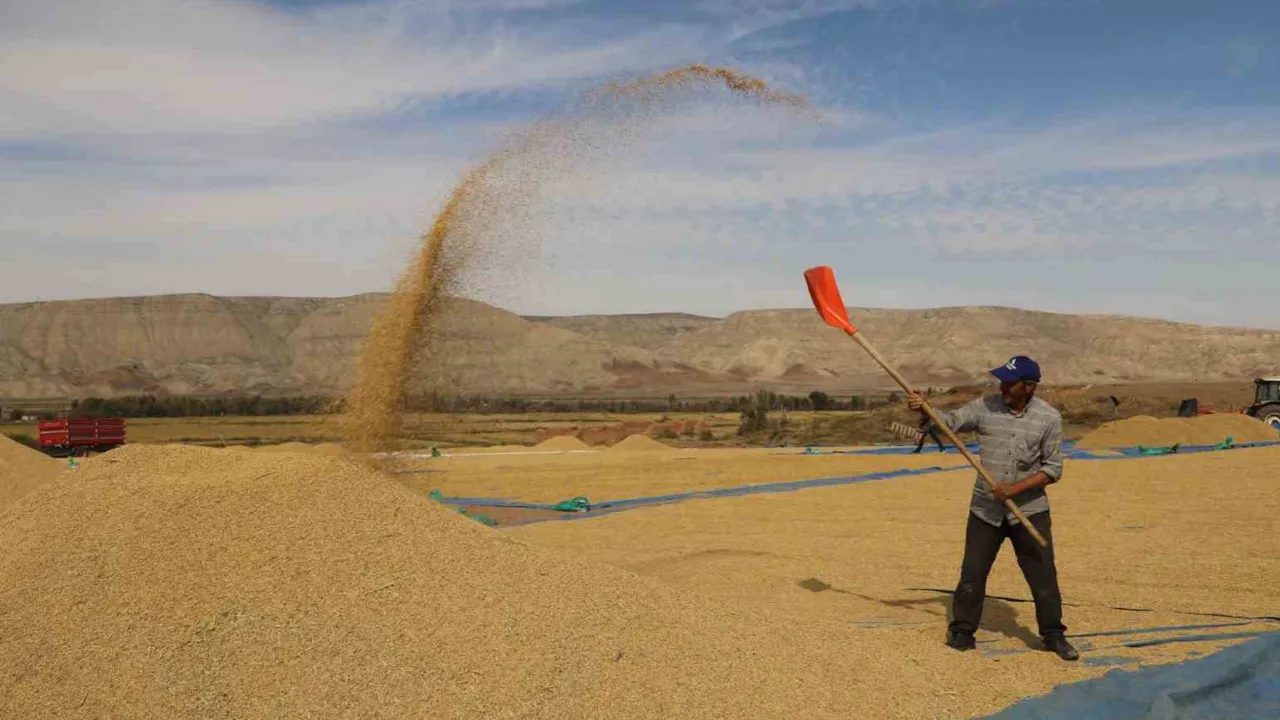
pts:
[1058, 645]
[959, 640]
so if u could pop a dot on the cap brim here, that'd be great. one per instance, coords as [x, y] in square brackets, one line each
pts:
[1004, 374]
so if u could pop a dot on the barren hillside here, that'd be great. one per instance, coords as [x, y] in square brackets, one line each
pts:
[201, 344]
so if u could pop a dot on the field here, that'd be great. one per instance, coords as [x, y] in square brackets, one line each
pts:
[291, 579]
[1084, 408]
[264, 570]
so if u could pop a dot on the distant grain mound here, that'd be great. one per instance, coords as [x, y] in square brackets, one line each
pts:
[563, 442]
[22, 470]
[1162, 432]
[182, 582]
[639, 443]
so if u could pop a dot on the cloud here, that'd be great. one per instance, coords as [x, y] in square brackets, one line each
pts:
[242, 149]
[162, 66]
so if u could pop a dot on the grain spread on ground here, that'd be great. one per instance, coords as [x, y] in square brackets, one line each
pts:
[639, 443]
[1164, 432]
[563, 442]
[194, 583]
[22, 470]
[187, 582]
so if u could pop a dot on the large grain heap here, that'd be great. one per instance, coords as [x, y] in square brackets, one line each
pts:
[179, 582]
[1157, 432]
[22, 470]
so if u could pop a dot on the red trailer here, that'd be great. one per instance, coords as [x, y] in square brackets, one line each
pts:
[75, 436]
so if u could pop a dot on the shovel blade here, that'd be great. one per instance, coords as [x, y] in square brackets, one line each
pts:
[826, 298]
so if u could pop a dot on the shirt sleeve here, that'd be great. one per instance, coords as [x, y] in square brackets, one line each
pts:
[1051, 451]
[965, 417]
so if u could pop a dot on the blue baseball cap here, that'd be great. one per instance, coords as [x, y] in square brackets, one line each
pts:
[1019, 367]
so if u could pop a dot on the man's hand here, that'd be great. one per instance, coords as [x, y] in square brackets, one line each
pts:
[915, 402]
[1005, 492]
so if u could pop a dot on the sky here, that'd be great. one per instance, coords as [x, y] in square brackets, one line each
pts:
[1095, 156]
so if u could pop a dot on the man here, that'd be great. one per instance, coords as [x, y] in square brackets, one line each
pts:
[1020, 443]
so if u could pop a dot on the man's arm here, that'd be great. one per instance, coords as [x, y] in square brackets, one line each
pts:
[1050, 469]
[961, 419]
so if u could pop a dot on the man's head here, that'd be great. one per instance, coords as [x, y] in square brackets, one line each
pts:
[1018, 380]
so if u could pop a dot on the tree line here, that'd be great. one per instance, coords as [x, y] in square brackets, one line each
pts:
[756, 405]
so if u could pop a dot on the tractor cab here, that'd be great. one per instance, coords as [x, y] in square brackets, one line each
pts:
[1266, 401]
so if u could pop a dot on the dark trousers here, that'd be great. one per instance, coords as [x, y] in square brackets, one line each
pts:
[982, 543]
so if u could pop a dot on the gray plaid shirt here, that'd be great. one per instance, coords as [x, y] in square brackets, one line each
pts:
[1012, 447]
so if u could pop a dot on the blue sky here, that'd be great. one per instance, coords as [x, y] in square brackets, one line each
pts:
[1066, 155]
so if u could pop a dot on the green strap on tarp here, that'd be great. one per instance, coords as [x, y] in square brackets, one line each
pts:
[578, 504]
[1227, 444]
[485, 519]
[1159, 451]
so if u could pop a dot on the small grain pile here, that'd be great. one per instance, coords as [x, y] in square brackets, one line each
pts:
[181, 582]
[491, 206]
[639, 443]
[1163, 432]
[563, 442]
[22, 470]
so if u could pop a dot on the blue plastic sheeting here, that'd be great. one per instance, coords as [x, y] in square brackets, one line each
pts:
[790, 486]
[493, 502]
[777, 487]
[1184, 449]
[893, 450]
[1239, 682]
[1161, 628]
[1068, 449]
[1192, 638]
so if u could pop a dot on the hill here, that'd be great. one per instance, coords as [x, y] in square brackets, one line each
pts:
[201, 344]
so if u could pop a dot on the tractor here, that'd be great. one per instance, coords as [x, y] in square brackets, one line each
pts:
[1266, 401]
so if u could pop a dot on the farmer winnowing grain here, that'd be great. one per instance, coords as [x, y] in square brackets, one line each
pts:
[1020, 443]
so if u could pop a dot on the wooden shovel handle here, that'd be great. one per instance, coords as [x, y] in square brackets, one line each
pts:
[946, 430]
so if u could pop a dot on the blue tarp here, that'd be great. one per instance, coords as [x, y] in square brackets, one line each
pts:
[777, 487]
[610, 506]
[1068, 449]
[1239, 682]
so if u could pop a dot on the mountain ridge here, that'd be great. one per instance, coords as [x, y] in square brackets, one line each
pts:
[199, 343]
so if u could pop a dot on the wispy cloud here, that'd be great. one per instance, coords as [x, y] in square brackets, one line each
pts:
[158, 66]
[240, 148]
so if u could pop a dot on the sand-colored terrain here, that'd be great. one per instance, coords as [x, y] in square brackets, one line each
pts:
[22, 470]
[1202, 430]
[185, 582]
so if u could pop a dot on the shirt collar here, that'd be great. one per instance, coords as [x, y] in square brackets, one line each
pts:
[1016, 413]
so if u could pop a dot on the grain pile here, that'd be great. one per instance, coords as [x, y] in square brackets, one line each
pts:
[1162, 432]
[639, 443]
[491, 206]
[563, 442]
[22, 470]
[180, 582]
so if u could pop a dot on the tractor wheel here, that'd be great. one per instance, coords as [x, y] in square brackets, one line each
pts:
[1270, 415]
